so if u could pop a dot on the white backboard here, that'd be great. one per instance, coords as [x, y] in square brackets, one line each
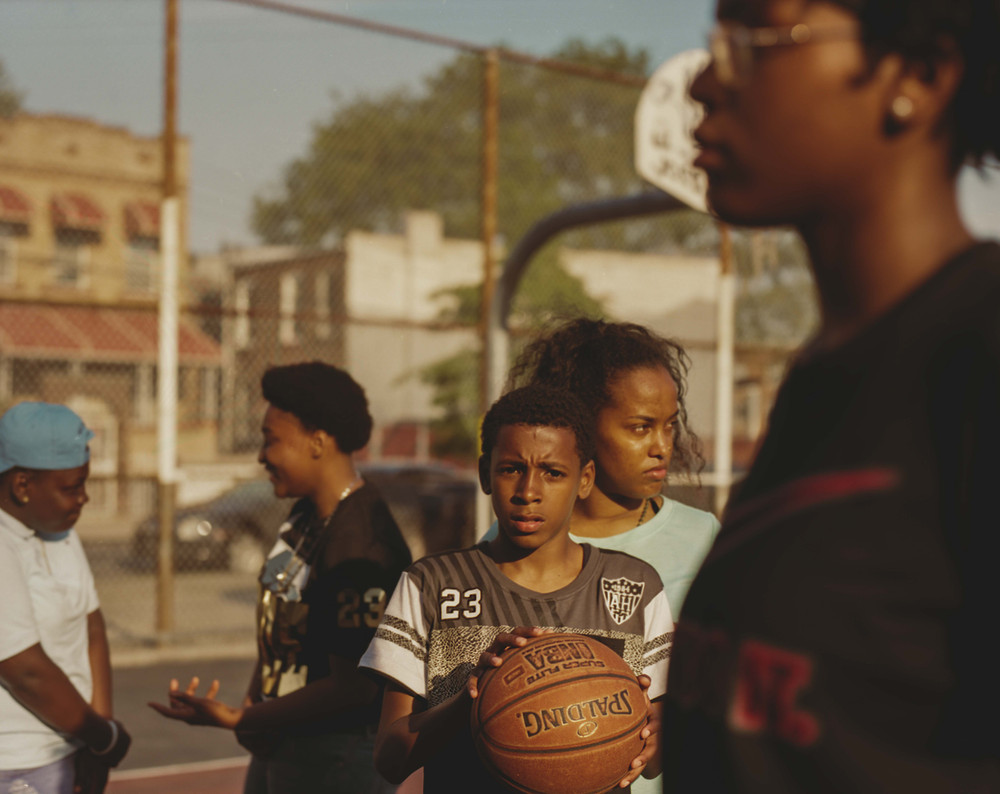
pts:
[665, 119]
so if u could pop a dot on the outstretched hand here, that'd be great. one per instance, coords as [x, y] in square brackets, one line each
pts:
[650, 755]
[188, 707]
[490, 658]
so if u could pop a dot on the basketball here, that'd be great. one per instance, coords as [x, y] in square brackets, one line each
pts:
[561, 715]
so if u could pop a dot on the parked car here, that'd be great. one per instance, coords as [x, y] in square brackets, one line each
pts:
[433, 504]
[232, 531]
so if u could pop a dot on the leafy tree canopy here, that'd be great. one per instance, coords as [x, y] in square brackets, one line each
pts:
[777, 300]
[562, 139]
[546, 292]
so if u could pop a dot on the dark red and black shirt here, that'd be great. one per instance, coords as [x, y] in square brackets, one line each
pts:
[839, 636]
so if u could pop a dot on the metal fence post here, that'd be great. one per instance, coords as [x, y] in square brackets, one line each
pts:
[168, 340]
[491, 123]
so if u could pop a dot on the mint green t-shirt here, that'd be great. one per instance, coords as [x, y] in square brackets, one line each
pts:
[674, 541]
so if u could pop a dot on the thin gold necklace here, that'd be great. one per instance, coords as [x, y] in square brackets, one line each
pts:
[642, 515]
[349, 489]
[284, 577]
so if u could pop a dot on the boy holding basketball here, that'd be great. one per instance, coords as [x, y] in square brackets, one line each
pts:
[452, 613]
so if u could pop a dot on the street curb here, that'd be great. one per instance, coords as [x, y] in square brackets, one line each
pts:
[145, 657]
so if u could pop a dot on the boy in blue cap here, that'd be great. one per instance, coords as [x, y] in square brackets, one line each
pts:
[56, 729]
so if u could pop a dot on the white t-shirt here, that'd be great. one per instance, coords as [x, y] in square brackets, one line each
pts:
[46, 593]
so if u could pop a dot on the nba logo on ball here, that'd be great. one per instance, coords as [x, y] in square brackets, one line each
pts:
[561, 715]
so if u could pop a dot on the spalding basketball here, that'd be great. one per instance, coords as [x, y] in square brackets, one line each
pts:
[561, 715]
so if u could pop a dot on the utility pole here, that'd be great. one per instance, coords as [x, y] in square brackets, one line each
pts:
[168, 338]
[491, 123]
[490, 154]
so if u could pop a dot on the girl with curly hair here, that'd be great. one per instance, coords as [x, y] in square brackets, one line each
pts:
[635, 383]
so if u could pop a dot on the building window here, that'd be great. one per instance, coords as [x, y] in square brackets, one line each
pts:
[144, 391]
[210, 393]
[78, 222]
[322, 291]
[288, 308]
[71, 263]
[241, 304]
[8, 259]
[142, 263]
[15, 215]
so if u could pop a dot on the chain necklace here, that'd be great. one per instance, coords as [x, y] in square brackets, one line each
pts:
[642, 515]
[280, 581]
[349, 489]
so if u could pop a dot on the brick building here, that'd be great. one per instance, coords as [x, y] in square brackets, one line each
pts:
[79, 276]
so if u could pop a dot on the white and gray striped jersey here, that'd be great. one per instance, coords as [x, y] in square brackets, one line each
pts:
[449, 607]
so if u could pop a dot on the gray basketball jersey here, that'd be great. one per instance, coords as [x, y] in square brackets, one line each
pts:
[449, 607]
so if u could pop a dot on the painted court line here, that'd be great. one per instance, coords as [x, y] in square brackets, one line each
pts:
[181, 769]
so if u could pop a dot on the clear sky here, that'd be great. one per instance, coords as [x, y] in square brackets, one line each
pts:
[253, 82]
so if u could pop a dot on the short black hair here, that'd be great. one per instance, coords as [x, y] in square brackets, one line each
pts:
[539, 406]
[922, 31]
[586, 356]
[322, 397]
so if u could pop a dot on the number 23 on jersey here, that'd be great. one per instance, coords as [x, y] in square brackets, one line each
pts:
[354, 608]
[455, 604]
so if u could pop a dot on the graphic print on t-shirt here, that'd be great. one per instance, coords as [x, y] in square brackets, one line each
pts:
[282, 618]
[621, 597]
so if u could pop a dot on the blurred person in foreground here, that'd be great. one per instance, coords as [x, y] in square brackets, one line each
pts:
[309, 716]
[57, 734]
[837, 636]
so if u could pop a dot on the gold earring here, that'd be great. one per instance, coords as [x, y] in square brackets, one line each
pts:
[24, 500]
[902, 108]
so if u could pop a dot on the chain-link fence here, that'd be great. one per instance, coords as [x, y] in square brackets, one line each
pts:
[370, 257]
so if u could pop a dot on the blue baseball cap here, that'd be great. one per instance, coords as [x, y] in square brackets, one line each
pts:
[35, 435]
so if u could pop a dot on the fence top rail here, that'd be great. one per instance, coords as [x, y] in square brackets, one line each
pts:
[514, 56]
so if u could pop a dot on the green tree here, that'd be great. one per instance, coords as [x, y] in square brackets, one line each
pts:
[777, 300]
[546, 292]
[10, 97]
[563, 139]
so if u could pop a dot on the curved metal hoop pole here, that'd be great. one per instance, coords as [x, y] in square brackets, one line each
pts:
[648, 203]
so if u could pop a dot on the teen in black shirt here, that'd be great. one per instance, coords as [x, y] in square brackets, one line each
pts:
[837, 637]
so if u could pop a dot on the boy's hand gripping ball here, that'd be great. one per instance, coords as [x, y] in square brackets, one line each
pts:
[561, 715]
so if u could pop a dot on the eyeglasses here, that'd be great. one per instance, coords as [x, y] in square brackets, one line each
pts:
[732, 45]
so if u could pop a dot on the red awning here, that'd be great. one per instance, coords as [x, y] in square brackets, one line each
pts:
[142, 219]
[77, 211]
[83, 333]
[14, 206]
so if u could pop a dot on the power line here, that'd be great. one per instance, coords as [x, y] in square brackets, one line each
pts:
[514, 56]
